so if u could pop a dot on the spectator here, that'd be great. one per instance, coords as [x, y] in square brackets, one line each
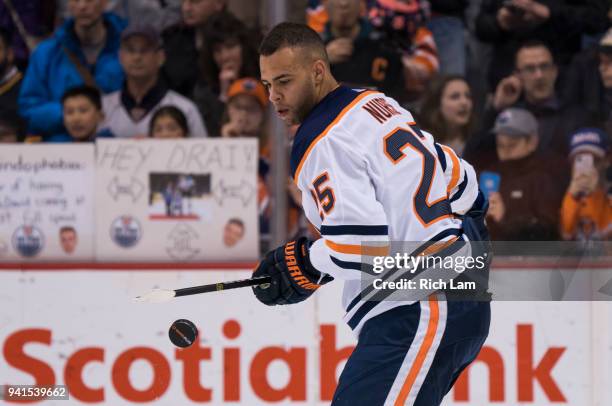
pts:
[508, 23]
[448, 29]
[10, 129]
[403, 24]
[228, 54]
[169, 122]
[527, 201]
[589, 82]
[10, 80]
[129, 110]
[29, 22]
[159, 13]
[586, 213]
[183, 43]
[83, 115]
[532, 86]
[247, 100]
[357, 55]
[82, 51]
[447, 112]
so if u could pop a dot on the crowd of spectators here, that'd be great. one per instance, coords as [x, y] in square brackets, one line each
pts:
[532, 112]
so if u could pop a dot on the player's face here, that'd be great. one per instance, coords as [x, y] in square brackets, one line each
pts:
[68, 240]
[289, 77]
[605, 69]
[510, 148]
[81, 117]
[86, 12]
[456, 103]
[537, 72]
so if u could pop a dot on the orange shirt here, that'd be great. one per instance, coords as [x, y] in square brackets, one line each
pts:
[586, 218]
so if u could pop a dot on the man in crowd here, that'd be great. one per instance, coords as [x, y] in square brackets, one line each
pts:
[365, 56]
[183, 43]
[128, 112]
[506, 24]
[532, 87]
[525, 202]
[82, 51]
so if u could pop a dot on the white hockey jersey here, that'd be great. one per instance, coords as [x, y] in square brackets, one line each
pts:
[369, 175]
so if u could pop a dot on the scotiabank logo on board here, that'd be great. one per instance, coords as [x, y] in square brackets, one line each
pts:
[530, 371]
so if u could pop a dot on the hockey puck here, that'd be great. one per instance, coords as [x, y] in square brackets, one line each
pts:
[183, 333]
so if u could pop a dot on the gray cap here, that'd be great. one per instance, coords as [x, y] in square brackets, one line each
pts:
[144, 30]
[516, 122]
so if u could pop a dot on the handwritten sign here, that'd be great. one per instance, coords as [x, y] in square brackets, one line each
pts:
[46, 202]
[177, 200]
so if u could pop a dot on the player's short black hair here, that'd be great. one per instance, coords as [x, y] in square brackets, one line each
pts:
[90, 92]
[6, 37]
[293, 35]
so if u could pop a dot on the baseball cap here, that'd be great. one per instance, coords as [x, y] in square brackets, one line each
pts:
[251, 87]
[591, 140]
[605, 44]
[144, 30]
[516, 122]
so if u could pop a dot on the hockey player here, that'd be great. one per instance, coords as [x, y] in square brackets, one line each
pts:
[368, 175]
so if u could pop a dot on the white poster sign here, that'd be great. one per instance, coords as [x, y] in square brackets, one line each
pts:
[177, 200]
[46, 202]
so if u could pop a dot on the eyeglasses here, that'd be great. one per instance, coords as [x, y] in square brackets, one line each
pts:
[532, 69]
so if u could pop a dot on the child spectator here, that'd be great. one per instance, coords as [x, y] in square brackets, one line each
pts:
[82, 110]
[228, 54]
[169, 122]
[524, 207]
[586, 213]
[247, 100]
[448, 113]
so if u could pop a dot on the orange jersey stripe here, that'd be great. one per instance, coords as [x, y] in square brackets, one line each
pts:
[358, 249]
[327, 129]
[432, 327]
[439, 246]
[455, 173]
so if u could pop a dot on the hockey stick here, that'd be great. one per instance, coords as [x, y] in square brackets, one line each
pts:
[165, 295]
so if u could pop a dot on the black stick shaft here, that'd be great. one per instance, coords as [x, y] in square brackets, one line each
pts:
[215, 287]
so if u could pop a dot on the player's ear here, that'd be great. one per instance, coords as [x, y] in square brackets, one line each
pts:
[319, 69]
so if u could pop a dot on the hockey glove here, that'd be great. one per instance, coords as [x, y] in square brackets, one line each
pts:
[294, 278]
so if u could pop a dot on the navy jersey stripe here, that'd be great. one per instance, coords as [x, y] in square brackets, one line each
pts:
[320, 117]
[358, 266]
[441, 156]
[354, 230]
[461, 188]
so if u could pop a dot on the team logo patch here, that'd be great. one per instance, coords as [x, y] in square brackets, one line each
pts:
[125, 231]
[28, 241]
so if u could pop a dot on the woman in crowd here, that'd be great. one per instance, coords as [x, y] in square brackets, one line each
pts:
[229, 53]
[447, 112]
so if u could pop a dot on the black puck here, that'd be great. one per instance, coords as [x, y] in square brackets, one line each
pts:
[183, 333]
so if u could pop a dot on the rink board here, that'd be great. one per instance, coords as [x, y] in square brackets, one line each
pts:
[80, 327]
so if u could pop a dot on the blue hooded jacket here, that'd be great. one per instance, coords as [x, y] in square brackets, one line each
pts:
[50, 73]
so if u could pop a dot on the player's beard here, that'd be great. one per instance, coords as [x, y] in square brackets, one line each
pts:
[309, 101]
